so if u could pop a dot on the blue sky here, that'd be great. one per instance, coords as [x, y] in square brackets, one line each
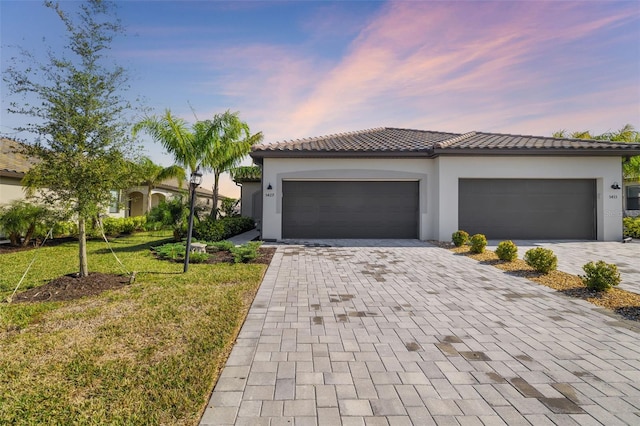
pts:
[300, 69]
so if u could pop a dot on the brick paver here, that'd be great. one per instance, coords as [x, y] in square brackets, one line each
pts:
[417, 335]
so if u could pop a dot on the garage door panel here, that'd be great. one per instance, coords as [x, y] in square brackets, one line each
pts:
[349, 209]
[528, 208]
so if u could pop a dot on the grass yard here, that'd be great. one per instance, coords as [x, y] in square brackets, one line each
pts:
[148, 353]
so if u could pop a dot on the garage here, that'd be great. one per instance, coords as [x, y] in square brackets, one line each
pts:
[528, 208]
[350, 209]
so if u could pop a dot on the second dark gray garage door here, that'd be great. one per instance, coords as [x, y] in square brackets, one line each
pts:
[528, 208]
[349, 209]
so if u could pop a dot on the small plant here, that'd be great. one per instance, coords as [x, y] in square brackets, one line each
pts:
[246, 252]
[173, 251]
[507, 250]
[600, 276]
[478, 243]
[221, 245]
[197, 257]
[460, 238]
[541, 259]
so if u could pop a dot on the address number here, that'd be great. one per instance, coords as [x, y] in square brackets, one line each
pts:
[613, 197]
[270, 194]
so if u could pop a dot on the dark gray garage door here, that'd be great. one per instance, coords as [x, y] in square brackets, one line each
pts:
[351, 209]
[528, 208]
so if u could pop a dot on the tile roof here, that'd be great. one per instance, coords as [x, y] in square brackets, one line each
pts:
[12, 163]
[390, 142]
[381, 139]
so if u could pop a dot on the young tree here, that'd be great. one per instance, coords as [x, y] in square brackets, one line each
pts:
[151, 174]
[75, 101]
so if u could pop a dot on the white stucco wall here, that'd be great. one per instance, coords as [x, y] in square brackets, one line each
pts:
[275, 170]
[439, 184]
[247, 207]
[606, 171]
[10, 190]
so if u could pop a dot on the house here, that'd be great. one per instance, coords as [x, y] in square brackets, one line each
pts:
[403, 183]
[131, 202]
[248, 178]
[13, 167]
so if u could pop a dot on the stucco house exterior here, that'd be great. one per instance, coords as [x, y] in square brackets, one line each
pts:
[404, 183]
[131, 202]
[249, 180]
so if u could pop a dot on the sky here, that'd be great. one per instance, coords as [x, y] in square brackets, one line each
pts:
[310, 68]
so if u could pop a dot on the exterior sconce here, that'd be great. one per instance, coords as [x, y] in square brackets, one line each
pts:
[269, 187]
[615, 185]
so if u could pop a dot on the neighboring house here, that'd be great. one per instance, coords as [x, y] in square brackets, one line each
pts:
[132, 202]
[401, 183]
[134, 199]
[13, 167]
[248, 179]
[632, 198]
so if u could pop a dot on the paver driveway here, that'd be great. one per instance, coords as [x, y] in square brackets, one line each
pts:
[418, 335]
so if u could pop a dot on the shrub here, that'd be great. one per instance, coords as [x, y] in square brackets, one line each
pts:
[65, 229]
[246, 252]
[173, 213]
[114, 226]
[198, 257]
[175, 251]
[507, 250]
[600, 276]
[631, 226]
[541, 259]
[221, 246]
[460, 238]
[478, 243]
[22, 221]
[221, 229]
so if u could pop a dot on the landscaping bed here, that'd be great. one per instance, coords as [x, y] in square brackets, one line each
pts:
[623, 302]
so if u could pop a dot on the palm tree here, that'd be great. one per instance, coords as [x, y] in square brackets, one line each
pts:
[215, 145]
[228, 141]
[152, 174]
[628, 134]
[175, 136]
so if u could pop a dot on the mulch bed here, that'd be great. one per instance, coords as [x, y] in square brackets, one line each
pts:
[264, 256]
[625, 303]
[71, 287]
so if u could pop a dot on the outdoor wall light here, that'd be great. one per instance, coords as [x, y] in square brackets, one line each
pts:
[615, 185]
[269, 187]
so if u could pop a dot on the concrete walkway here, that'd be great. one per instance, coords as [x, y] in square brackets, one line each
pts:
[418, 335]
[572, 256]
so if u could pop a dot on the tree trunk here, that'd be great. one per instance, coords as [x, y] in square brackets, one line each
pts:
[29, 235]
[149, 189]
[82, 240]
[214, 210]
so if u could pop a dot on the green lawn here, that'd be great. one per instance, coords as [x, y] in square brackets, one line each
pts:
[149, 353]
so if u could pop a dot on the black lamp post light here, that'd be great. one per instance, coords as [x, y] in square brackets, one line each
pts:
[196, 180]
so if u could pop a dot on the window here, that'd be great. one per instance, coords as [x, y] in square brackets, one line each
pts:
[633, 197]
[114, 207]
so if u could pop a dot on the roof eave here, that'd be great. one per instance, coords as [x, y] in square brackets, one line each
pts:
[259, 155]
[603, 152]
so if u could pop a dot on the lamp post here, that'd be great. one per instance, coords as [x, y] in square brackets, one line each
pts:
[196, 180]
